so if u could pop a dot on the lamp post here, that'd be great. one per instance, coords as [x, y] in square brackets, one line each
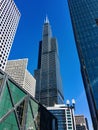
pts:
[72, 108]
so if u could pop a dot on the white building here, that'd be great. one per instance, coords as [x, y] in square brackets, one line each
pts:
[64, 115]
[9, 19]
[17, 69]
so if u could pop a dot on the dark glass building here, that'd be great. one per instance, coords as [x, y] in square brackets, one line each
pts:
[19, 110]
[84, 16]
[47, 75]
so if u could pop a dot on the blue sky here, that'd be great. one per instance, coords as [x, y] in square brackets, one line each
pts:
[29, 33]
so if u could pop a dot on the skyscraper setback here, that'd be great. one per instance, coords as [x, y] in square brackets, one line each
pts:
[84, 15]
[9, 18]
[47, 75]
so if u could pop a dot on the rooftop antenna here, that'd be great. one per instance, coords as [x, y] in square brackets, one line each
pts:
[46, 20]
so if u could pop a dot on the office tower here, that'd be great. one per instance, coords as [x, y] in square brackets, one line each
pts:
[19, 110]
[47, 75]
[9, 19]
[84, 16]
[81, 122]
[64, 115]
[17, 69]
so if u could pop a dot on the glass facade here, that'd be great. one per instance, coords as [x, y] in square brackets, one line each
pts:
[47, 75]
[60, 115]
[19, 110]
[84, 15]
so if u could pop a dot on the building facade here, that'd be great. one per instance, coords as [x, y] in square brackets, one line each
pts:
[84, 16]
[64, 115]
[9, 19]
[81, 122]
[47, 75]
[19, 110]
[17, 69]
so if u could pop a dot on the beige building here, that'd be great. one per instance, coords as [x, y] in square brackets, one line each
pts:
[81, 122]
[17, 69]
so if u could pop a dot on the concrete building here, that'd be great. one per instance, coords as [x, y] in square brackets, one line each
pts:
[9, 19]
[84, 16]
[64, 115]
[48, 79]
[81, 122]
[17, 69]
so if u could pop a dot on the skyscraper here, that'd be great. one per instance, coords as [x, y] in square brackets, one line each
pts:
[17, 69]
[47, 75]
[9, 18]
[84, 16]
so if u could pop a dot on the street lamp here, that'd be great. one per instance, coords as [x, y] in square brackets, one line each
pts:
[72, 108]
[68, 102]
[73, 103]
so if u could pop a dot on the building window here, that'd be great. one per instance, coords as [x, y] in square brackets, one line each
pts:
[96, 21]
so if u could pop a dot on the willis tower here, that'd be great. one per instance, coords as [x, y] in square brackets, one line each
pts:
[47, 75]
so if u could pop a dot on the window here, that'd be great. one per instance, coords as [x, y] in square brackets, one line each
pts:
[96, 21]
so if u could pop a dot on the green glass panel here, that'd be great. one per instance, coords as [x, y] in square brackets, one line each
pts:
[34, 108]
[9, 123]
[30, 121]
[36, 113]
[5, 102]
[21, 112]
[1, 82]
[17, 94]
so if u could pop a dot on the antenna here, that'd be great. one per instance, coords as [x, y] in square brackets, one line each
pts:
[46, 20]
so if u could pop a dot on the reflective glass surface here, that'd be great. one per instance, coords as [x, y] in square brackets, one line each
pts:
[19, 110]
[5, 102]
[84, 16]
[16, 93]
[9, 123]
[30, 121]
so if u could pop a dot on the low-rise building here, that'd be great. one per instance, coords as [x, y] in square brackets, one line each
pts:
[81, 122]
[64, 115]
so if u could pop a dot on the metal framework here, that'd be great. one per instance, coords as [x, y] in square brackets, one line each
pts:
[19, 110]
